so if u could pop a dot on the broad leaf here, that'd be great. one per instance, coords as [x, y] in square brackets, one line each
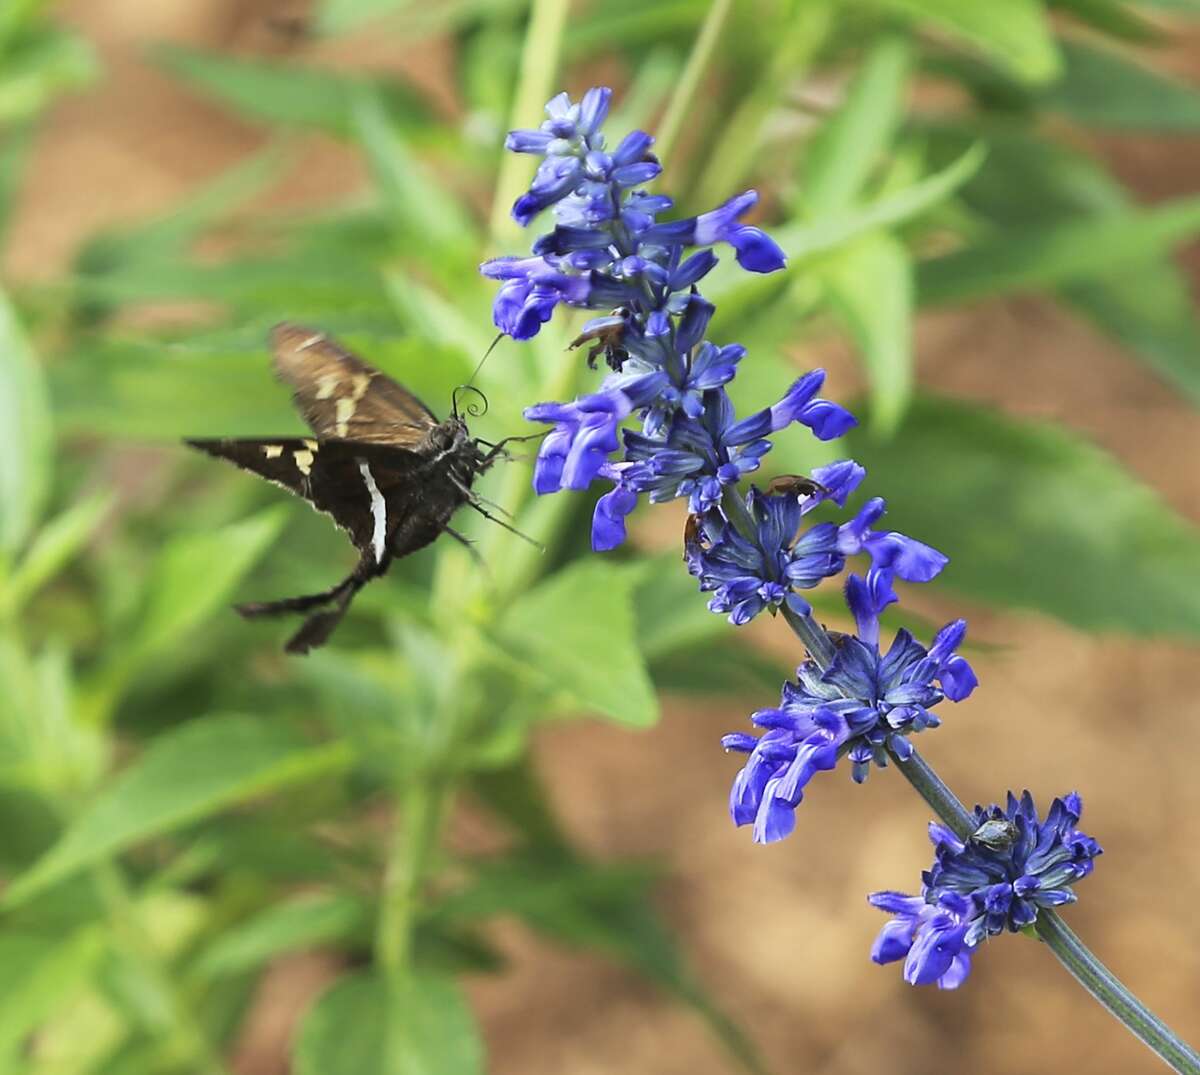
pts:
[1033, 516]
[187, 774]
[576, 632]
[1103, 88]
[359, 1027]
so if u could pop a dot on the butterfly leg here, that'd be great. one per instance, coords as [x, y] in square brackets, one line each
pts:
[474, 503]
[296, 604]
[466, 543]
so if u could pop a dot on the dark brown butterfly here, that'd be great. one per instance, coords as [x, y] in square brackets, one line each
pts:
[388, 472]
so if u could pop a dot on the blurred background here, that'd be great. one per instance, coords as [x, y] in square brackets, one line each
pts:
[477, 833]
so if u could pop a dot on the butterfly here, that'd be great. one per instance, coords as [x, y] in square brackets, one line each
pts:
[387, 471]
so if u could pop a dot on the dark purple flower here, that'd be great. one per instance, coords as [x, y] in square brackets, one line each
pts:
[904, 557]
[997, 879]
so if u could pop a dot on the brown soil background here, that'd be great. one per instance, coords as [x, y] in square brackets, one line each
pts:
[778, 934]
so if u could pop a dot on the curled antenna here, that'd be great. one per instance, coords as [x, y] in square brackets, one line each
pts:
[474, 409]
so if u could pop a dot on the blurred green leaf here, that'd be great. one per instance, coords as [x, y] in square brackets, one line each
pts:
[1150, 310]
[25, 437]
[1033, 516]
[1030, 182]
[38, 66]
[870, 287]
[720, 668]
[1113, 17]
[293, 925]
[1061, 254]
[729, 286]
[340, 16]
[849, 145]
[1103, 88]
[14, 152]
[576, 630]
[422, 210]
[53, 547]
[195, 574]
[431, 1027]
[286, 93]
[37, 976]
[186, 774]
[1016, 33]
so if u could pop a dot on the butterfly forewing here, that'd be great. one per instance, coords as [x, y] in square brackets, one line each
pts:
[365, 488]
[341, 396]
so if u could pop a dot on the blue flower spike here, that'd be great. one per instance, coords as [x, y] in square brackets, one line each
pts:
[1012, 865]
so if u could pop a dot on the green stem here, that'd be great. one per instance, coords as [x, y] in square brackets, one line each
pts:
[423, 806]
[539, 69]
[689, 81]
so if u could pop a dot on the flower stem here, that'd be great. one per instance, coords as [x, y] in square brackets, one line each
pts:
[1093, 975]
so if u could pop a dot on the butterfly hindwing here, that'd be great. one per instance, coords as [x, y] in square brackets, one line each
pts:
[341, 396]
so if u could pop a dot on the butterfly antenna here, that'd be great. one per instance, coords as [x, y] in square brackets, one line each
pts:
[474, 410]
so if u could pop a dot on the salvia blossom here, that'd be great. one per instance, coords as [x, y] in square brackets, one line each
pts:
[661, 426]
[997, 879]
[609, 250]
[865, 703]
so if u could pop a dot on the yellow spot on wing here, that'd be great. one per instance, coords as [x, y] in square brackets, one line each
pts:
[344, 412]
[327, 385]
[311, 445]
[272, 451]
[304, 461]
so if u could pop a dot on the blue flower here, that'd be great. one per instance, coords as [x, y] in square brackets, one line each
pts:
[746, 576]
[997, 879]
[902, 556]
[864, 704]
[584, 435]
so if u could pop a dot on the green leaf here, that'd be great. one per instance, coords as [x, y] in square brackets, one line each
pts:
[25, 435]
[1033, 516]
[870, 287]
[845, 150]
[55, 545]
[1150, 311]
[40, 65]
[576, 631]
[802, 242]
[285, 927]
[1016, 32]
[431, 1030]
[1103, 88]
[1058, 254]
[196, 574]
[422, 210]
[38, 975]
[14, 154]
[187, 774]
[1112, 17]
[285, 93]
